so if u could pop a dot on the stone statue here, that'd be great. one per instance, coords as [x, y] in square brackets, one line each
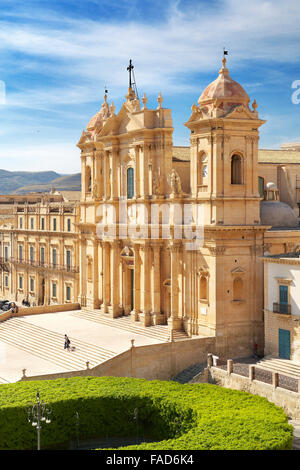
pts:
[95, 190]
[175, 183]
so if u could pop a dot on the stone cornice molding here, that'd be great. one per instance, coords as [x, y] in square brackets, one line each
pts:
[216, 250]
[293, 261]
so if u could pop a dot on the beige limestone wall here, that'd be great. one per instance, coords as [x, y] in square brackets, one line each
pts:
[152, 362]
[23, 311]
[275, 321]
[289, 401]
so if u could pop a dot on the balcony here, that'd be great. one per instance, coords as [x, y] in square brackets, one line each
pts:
[43, 265]
[284, 309]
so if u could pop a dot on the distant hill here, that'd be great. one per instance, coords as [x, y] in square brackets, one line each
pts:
[21, 182]
[61, 183]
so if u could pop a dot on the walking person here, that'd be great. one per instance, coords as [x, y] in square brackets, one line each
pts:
[67, 343]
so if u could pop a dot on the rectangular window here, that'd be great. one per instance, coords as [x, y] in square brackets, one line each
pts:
[42, 223]
[54, 225]
[6, 281]
[283, 294]
[31, 284]
[69, 225]
[68, 259]
[42, 255]
[68, 293]
[130, 183]
[20, 282]
[54, 257]
[31, 254]
[6, 253]
[54, 290]
[20, 253]
[31, 223]
[21, 222]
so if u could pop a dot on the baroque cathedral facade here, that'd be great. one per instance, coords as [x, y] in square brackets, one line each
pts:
[153, 251]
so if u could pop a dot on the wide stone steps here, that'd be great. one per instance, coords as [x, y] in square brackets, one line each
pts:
[158, 332]
[188, 374]
[282, 366]
[49, 345]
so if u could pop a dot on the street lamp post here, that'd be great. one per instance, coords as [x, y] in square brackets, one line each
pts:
[38, 412]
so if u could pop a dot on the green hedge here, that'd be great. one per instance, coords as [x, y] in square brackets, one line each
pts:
[180, 417]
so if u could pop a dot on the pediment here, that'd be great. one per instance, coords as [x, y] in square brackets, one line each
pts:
[83, 138]
[122, 122]
[238, 271]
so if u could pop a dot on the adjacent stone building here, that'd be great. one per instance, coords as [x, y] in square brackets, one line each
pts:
[39, 248]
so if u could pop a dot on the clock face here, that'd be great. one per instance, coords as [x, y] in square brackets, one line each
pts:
[204, 171]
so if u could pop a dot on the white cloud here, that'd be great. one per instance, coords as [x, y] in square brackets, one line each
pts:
[166, 52]
[62, 157]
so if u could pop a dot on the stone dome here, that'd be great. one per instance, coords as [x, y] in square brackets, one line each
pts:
[224, 88]
[277, 214]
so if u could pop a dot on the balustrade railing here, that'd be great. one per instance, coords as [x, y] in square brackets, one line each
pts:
[42, 264]
[285, 309]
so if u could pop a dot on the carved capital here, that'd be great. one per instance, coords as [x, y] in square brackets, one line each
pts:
[217, 250]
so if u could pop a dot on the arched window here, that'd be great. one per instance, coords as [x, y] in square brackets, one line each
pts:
[130, 183]
[237, 289]
[236, 169]
[203, 288]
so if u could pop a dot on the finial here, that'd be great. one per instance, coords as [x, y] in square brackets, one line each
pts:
[254, 106]
[194, 108]
[160, 100]
[144, 100]
[224, 70]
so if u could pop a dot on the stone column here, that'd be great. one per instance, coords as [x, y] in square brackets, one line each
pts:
[145, 190]
[137, 178]
[114, 308]
[106, 176]
[114, 174]
[174, 322]
[145, 316]
[95, 299]
[106, 276]
[82, 271]
[137, 284]
[159, 318]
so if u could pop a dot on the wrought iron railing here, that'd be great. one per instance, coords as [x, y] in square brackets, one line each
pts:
[42, 264]
[285, 309]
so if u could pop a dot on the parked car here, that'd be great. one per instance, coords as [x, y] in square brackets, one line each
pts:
[6, 306]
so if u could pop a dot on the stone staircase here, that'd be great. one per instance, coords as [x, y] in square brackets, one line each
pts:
[282, 366]
[188, 374]
[158, 332]
[296, 441]
[49, 345]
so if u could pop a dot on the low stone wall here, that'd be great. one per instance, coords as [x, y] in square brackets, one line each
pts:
[23, 311]
[155, 361]
[286, 399]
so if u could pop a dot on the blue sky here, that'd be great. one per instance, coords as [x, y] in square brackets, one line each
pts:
[56, 58]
